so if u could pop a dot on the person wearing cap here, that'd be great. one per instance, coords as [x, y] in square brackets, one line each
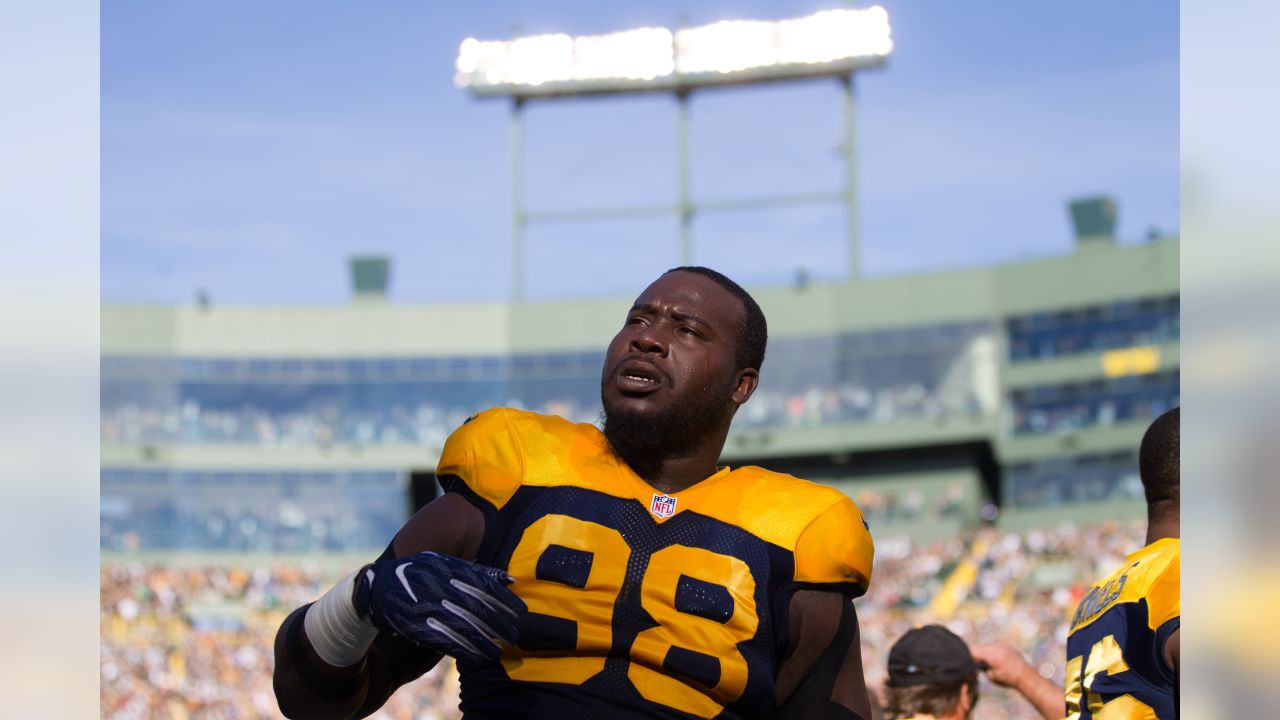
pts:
[933, 675]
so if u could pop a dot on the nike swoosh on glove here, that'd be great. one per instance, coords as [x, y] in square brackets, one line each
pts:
[448, 605]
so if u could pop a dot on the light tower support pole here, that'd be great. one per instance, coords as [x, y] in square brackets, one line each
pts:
[683, 201]
[516, 140]
[851, 174]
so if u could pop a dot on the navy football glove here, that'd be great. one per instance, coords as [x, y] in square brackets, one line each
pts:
[448, 605]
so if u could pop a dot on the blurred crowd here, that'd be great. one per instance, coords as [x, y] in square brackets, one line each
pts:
[1097, 411]
[314, 425]
[882, 507]
[1120, 325]
[216, 515]
[1093, 479]
[398, 422]
[428, 424]
[827, 404]
[196, 642]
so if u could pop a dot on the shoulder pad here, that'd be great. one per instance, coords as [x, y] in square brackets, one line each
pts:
[836, 547]
[484, 456]
[1164, 599]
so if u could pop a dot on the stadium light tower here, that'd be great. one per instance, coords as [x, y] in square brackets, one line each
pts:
[831, 44]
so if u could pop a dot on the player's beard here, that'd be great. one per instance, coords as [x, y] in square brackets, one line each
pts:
[681, 428]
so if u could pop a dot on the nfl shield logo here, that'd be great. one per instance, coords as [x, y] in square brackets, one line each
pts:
[663, 506]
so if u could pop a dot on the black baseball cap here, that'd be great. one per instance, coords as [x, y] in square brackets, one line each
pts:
[929, 655]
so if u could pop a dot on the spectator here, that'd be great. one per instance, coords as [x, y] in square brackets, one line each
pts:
[933, 675]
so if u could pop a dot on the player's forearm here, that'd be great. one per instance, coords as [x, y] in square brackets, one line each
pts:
[387, 624]
[1046, 697]
[1006, 666]
[306, 686]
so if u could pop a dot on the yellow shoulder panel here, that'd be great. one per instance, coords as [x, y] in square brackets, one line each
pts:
[820, 525]
[1164, 598]
[485, 453]
[836, 547]
[1151, 574]
[774, 507]
[556, 451]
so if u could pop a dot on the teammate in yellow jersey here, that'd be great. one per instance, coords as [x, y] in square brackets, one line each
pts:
[580, 573]
[1123, 648]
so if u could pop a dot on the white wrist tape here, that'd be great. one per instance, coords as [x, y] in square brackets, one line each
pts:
[336, 632]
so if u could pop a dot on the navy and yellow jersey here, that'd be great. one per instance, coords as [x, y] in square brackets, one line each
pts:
[640, 604]
[1115, 649]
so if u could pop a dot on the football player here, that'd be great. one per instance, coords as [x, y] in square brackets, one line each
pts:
[574, 572]
[1123, 646]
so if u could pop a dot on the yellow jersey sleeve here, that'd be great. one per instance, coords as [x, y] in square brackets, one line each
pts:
[1164, 597]
[836, 548]
[484, 455]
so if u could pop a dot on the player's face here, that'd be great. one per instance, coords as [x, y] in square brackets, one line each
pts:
[673, 360]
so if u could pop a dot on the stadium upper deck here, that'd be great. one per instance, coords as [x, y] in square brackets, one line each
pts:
[243, 426]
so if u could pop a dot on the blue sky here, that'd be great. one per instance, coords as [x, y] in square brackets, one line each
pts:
[250, 148]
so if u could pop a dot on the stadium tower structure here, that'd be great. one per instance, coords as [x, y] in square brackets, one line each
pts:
[832, 44]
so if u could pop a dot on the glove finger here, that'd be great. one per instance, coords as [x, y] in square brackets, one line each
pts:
[422, 581]
[497, 597]
[499, 574]
[490, 579]
[493, 582]
[498, 623]
[430, 570]
[445, 639]
[499, 630]
[501, 625]
[470, 571]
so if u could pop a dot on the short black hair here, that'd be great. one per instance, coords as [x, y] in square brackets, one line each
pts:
[753, 331]
[1158, 464]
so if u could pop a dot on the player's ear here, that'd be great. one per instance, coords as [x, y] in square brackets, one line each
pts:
[748, 379]
[964, 703]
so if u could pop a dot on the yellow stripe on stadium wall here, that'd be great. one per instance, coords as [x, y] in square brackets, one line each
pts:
[1131, 361]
